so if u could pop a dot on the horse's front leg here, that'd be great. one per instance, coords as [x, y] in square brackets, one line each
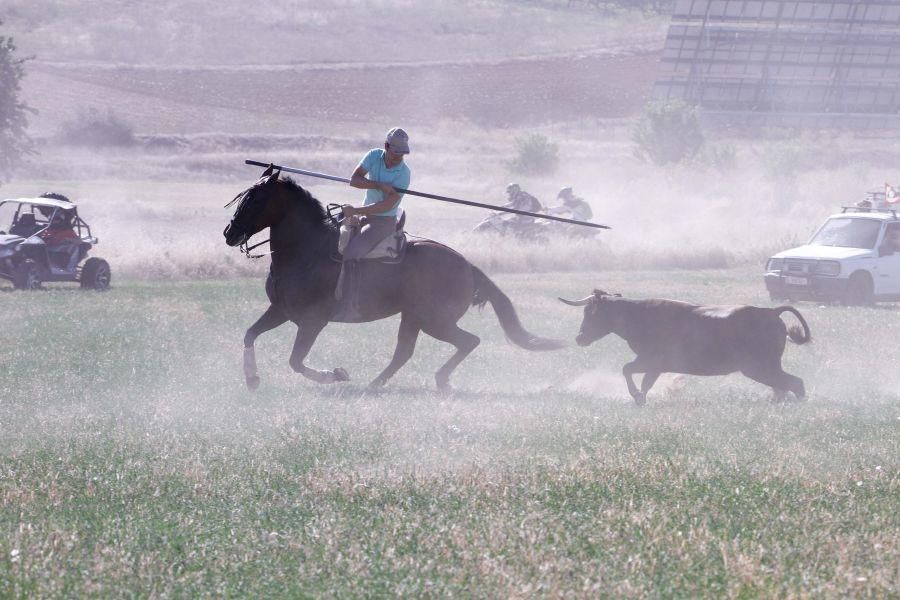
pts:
[307, 332]
[272, 318]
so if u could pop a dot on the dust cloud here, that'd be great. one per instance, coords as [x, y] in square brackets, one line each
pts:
[310, 93]
[322, 82]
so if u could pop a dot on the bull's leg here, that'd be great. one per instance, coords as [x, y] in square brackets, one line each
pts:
[307, 332]
[464, 342]
[776, 378]
[406, 343]
[650, 378]
[272, 318]
[636, 366]
[795, 384]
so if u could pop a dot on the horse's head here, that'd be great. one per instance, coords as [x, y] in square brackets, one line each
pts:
[271, 201]
[258, 207]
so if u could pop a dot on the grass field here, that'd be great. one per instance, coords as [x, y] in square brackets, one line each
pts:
[134, 462]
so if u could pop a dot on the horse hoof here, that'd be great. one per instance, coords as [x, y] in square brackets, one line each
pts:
[341, 375]
[640, 399]
[377, 384]
[253, 383]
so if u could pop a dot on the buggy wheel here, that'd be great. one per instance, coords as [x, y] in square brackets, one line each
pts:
[95, 274]
[27, 275]
[860, 290]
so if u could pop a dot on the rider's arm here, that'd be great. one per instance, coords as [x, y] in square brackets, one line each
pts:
[390, 199]
[360, 181]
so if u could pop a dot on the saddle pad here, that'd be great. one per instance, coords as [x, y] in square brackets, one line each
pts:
[390, 249]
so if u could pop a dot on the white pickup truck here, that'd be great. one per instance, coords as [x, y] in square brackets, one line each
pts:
[854, 257]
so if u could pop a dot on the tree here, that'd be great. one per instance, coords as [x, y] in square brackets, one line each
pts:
[668, 132]
[14, 140]
[535, 154]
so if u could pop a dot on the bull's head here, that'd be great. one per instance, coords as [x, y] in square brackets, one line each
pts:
[598, 316]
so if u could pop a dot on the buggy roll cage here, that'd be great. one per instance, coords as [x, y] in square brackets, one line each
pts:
[82, 229]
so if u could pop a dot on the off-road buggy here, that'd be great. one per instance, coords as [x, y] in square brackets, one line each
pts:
[44, 239]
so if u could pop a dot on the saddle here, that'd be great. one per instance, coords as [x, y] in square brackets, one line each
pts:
[390, 250]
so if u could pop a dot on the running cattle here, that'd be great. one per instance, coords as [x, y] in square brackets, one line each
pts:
[676, 337]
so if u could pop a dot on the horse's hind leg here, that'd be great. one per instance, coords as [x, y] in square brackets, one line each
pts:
[272, 318]
[406, 343]
[307, 332]
[464, 341]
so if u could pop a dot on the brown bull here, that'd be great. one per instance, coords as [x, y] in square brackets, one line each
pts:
[677, 337]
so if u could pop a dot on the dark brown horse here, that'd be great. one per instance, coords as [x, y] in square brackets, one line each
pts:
[432, 288]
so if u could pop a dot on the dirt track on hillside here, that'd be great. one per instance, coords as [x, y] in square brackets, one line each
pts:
[511, 93]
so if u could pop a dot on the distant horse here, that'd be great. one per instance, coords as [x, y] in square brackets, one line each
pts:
[432, 288]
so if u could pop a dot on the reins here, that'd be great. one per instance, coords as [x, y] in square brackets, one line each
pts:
[333, 216]
[245, 249]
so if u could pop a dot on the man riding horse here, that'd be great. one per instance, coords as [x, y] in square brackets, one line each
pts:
[431, 288]
[380, 173]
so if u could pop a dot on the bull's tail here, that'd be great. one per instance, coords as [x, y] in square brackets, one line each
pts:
[487, 291]
[796, 335]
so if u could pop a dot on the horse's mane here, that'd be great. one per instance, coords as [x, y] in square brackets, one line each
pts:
[315, 211]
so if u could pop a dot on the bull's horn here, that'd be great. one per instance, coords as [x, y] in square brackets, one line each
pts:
[582, 302]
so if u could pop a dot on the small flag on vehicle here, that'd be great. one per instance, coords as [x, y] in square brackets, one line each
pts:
[891, 196]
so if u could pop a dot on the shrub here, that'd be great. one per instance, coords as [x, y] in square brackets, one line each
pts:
[722, 157]
[783, 161]
[668, 132]
[535, 154]
[93, 128]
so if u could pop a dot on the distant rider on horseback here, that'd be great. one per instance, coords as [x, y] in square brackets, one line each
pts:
[380, 173]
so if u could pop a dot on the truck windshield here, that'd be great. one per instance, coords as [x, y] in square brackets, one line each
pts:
[847, 233]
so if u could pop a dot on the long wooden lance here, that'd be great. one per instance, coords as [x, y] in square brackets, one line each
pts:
[435, 196]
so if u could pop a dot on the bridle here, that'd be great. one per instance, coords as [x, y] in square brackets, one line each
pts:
[335, 216]
[245, 249]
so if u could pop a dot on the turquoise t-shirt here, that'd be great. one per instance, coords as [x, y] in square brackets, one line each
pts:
[373, 163]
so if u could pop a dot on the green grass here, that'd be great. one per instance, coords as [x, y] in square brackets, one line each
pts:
[133, 462]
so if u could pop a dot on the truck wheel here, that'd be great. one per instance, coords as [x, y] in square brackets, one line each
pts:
[860, 290]
[95, 274]
[27, 275]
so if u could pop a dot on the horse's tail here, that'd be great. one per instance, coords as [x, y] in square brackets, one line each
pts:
[796, 335]
[487, 291]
